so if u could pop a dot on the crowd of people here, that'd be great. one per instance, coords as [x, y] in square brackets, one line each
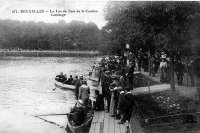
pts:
[116, 79]
[116, 75]
[160, 63]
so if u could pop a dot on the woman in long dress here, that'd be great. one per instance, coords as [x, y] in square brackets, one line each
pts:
[112, 109]
[113, 91]
[163, 68]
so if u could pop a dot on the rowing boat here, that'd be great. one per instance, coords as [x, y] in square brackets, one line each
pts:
[83, 128]
[64, 86]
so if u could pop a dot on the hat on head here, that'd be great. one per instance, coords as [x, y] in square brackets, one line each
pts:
[107, 72]
[128, 88]
[119, 88]
[113, 84]
[163, 56]
[80, 103]
[84, 82]
[114, 77]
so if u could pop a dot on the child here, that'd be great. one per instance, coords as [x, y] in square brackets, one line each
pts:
[99, 104]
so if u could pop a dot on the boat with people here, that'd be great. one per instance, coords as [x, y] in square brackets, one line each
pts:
[63, 82]
[83, 125]
[64, 86]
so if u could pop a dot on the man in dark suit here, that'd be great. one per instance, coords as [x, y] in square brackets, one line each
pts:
[128, 103]
[130, 74]
[108, 81]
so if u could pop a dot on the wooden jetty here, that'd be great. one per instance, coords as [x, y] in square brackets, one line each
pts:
[103, 123]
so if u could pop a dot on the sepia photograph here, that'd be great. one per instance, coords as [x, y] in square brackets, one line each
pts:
[84, 66]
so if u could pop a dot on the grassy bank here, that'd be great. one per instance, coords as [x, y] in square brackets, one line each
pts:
[50, 53]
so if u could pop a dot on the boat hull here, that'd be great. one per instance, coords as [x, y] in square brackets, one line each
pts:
[64, 86]
[83, 128]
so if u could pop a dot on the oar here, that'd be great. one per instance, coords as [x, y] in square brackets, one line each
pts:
[53, 114]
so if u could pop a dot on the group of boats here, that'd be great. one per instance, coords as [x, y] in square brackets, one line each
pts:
[85, 126]
[92, 76]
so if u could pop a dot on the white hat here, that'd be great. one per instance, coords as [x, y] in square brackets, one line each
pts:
[163, 56]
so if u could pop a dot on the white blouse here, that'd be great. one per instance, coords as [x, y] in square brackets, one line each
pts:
[163, 64]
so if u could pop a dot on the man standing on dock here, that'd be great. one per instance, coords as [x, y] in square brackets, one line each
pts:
[84, 92]
[77, 82]
[127, 106]
[130, 74]
[108, 81]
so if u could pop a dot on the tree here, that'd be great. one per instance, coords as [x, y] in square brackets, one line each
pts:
[47, 36]
[148, 23]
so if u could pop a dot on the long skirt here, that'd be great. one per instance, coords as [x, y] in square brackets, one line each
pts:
[112, 105]
[163, 76]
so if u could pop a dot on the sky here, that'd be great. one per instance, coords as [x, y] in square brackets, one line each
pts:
[8, 9]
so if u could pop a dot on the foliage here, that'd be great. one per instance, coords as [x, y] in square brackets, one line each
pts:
[152, 25]
[164, 107]
[46, 36]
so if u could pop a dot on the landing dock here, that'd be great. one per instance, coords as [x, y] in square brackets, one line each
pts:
[103, 123]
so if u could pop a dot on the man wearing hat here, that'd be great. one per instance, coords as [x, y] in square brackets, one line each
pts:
[130, 74]
[78, 113]
[127, 106]
[84, 92]
[77, 82]
[108, 81]
[120, 102]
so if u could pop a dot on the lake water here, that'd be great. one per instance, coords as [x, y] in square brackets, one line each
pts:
[26, 87]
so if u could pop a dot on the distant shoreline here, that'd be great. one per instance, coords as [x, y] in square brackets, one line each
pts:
[50, 53]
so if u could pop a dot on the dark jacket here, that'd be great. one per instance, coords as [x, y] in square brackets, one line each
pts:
[79, 115]
[99, 104]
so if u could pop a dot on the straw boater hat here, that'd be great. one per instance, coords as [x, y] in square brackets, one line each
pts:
[79, 103]
[113, 84]
[119, 88]
[163, 56]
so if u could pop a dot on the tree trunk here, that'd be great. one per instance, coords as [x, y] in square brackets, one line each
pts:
[172, 82]
[197, 85]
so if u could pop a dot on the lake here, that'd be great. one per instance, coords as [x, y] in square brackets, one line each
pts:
[27, 85]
